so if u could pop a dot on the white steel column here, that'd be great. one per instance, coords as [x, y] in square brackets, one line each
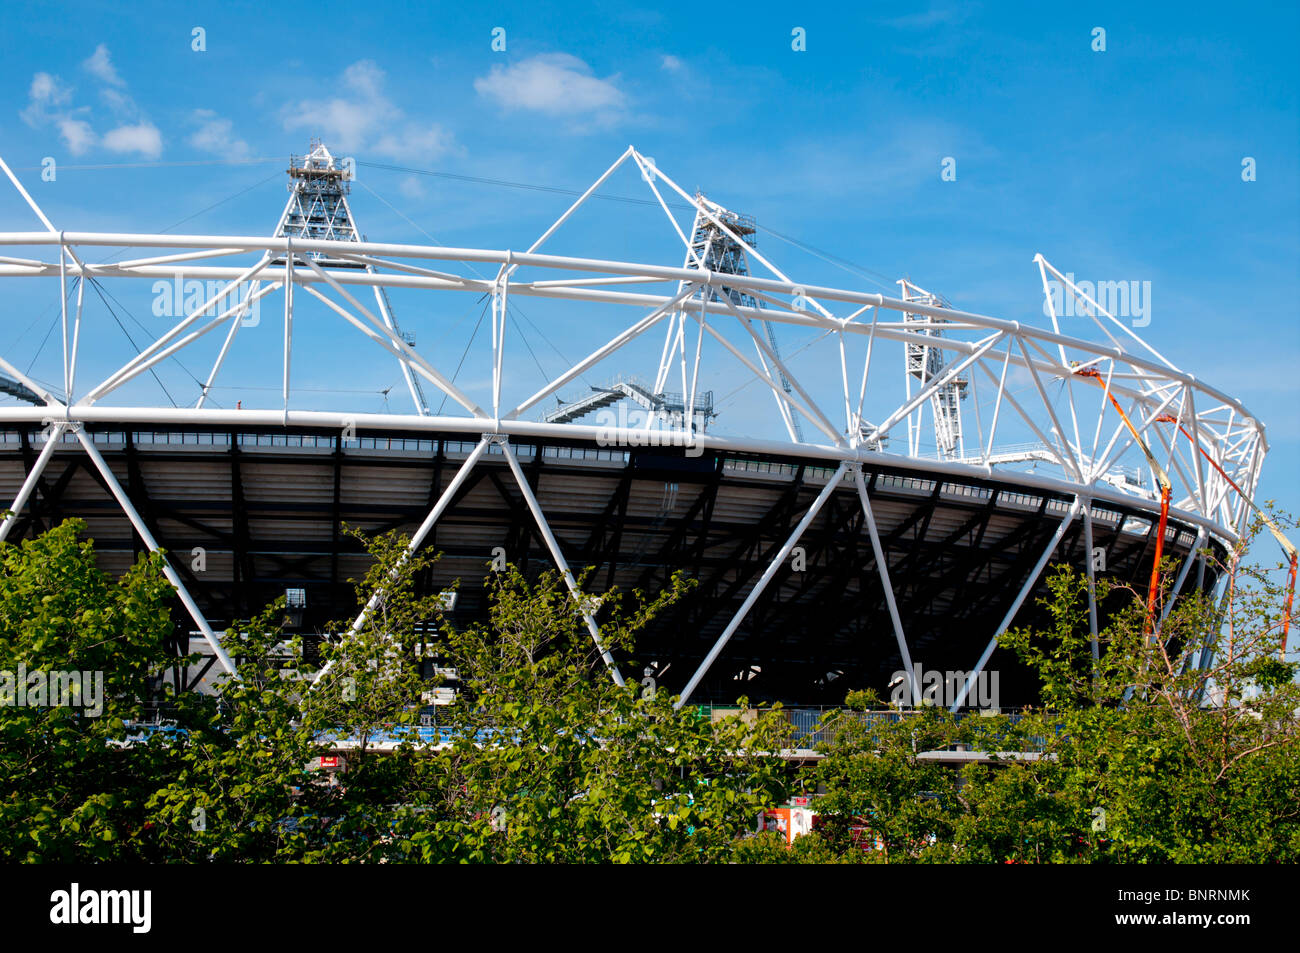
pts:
[76, 339]
[31, 203]
[236, 322]
[1192, 556]
[636, 330]
[498, 343]
[385, 338]
[1092, 582]
[150, 355]
[560, 561]
[815, 418]
[29, 484]
[288, 319]
[435, 514]
[882, 567]
[1020, 598]
[404, 364]
[53, 402]
[777, 561]
[510, 269]
[173, 577]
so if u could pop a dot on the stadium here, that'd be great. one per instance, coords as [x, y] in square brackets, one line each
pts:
[884, 491]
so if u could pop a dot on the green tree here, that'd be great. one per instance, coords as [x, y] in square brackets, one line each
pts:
[881, 792]
[70, 787]
[1145, 755]
[1159, 757]
[238, 786]
[550, 761]
[541, 757]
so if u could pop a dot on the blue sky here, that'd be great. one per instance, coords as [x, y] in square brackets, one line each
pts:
[1117, 164]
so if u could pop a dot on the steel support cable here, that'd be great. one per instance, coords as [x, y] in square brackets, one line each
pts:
[94, 283]
[154, 165]
[830, 259]
[101, 291]
[127, 311]
[734, 393]
[629, 200]
[511, 305]
[202, 211]
[464, 355]
[37, 320]
[54, 323]
[827, 257]
[523, 337]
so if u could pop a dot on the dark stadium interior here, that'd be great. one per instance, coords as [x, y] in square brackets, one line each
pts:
[266, 508]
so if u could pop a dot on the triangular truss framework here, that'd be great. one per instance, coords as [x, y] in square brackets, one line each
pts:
[977, 350]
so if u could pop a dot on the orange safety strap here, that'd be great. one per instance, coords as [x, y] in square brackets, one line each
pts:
[1166, 488]
[1287, 546]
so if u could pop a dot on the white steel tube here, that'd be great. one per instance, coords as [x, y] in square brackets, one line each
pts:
[773, 567]
[1019, 601]
[173, 577]
[29, 484]
[560, 562]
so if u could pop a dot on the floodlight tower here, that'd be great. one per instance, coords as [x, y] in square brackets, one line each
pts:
[318, 209]
[713, 249]
[923, 364]
[718, 251]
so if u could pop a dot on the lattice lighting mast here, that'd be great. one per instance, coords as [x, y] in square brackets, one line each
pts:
[923, 364]
[719, 252]
[318, 209]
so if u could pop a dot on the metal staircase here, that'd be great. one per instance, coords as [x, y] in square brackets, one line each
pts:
[14, 389]
[669, 406]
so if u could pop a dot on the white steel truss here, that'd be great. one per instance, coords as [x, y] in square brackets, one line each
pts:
[1028, 374]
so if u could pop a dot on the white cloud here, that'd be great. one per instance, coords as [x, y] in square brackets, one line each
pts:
[366, 78]
[413, 140]
[120, 103]
[553, 83]
[217, 135]
[47, 104]
[100, 64]
[45, 97]
[50, 103]
[934, 17]
[77, 135]
[411, 187]
[363, 118]
[671, 63]
[49, 90]
[142, 138]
